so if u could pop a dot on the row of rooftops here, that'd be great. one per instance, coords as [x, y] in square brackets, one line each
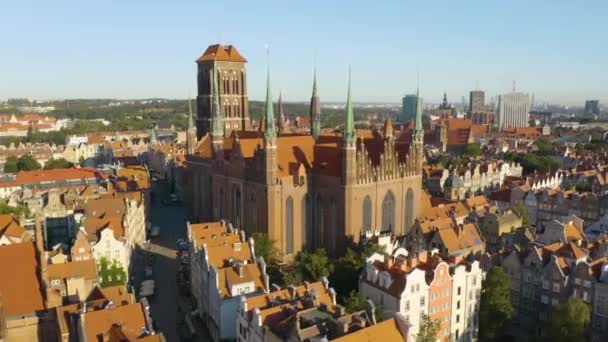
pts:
[103, 314]
[303, 312]
[399, 265]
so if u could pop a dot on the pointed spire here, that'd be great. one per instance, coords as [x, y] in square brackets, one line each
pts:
[418, 122]
[349, 136]
[190, 117]
[388, 127]
[270, 131]
[315, 108]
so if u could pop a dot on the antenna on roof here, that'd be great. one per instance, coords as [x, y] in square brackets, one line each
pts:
[476, 84]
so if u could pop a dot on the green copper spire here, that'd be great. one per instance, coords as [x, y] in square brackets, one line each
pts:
[349, 136]
[418, 126]
[315, 109]
[217, 129]
[270, 132]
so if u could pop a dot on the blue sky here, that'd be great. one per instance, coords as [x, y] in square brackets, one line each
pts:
[134, 49]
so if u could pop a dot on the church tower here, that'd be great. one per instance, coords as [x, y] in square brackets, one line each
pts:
[217, 118]
[191, 133]
[418, 135]
[229, 66]
[349, 140]
[315, 110]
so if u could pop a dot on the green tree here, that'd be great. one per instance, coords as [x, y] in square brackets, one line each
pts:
[266, 248]
[354, 302]
[495, 309]
[10, 166]
[27, 163]
[110, 273]
[521, 211]
[472, 149]
[314, 265]
[60, 163]
[429, 329]
[568, 321]
[348, 267]
[20, 210]
[544, 146]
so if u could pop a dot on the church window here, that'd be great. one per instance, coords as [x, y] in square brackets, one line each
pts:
[367, 213]
[333, 229]
[409, 210]
[289, 225]
[318, 227]
[388, 212]
[306, 224]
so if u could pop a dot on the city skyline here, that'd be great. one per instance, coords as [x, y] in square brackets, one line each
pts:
[131, 51]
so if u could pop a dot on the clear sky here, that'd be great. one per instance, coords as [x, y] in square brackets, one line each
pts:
[556, 49]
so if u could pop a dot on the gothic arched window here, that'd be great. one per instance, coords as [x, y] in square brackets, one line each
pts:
[254, 212]
[409, 209]
[306, 225]
[388, 212]
[333, 224]
[367, 214]
[318, 228]
[289, 225]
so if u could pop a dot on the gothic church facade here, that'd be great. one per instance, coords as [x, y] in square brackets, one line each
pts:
[305, 191]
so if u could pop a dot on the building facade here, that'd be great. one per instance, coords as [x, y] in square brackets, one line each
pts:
[304, 191]
[422, 284]
[477, 101]
[513, 110]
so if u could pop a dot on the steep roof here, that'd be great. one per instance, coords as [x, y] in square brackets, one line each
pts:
[130, 319]
[228, 276]
[384, 331]
[218, 52]
[19, 285]
[75, 269]
[10, 226]
[220, 254]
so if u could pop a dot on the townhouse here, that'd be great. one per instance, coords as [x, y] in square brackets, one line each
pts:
[545, 276]
[297, 313]
[448, 290]
[223, 267]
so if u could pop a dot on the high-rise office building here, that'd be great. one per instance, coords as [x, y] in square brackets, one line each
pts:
[409, 107]
[513, 110]
[476, 101]
[592, 107]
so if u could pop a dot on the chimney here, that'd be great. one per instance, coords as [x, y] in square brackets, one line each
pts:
[412, 261]
[422, 256]
[292, 291]
[389, 261]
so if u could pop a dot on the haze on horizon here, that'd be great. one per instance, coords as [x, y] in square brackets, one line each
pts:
[146, 49]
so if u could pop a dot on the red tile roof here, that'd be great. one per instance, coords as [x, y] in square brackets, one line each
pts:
[19, 285]
[218, 52]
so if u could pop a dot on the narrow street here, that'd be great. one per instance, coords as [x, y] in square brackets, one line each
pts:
[168, 307]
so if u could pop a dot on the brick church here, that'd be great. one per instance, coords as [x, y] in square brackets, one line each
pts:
[305, 190]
